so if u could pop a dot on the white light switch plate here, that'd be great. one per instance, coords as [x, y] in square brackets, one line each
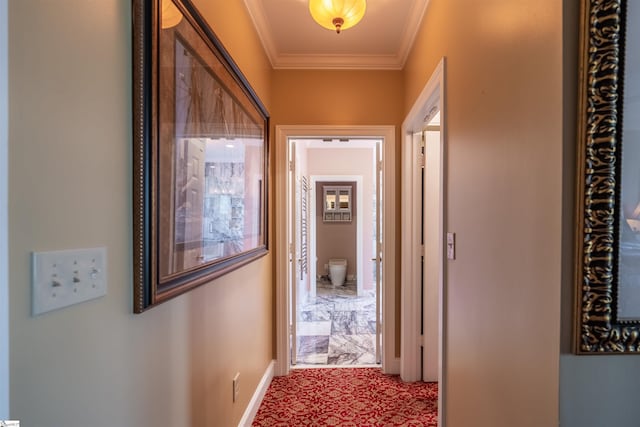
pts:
[63, 278]
[451, 245]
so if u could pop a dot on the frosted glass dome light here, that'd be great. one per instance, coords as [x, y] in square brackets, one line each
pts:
[170, 15]
[337, 14]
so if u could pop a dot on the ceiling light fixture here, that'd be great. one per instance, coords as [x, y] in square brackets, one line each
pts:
[170, 14]
[337, 14]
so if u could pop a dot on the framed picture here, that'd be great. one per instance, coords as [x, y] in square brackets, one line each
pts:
[608, 201]
[200, 155]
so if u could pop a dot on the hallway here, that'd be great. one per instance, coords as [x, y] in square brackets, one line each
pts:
[510, 178]
[337, 327]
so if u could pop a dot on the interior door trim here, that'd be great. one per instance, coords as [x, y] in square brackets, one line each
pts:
[432, 94]
[390, 363]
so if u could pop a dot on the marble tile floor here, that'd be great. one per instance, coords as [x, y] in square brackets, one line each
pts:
[337, 327]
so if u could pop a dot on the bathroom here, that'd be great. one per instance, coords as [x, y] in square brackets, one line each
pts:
[336, 206]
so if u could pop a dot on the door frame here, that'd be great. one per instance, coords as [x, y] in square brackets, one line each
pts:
[433, 94]
[390, 363]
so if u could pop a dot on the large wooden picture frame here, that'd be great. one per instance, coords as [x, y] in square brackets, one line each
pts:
[200, 155]
[608, 202]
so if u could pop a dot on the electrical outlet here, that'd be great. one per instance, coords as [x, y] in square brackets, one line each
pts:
[236, 386]
[63, 278]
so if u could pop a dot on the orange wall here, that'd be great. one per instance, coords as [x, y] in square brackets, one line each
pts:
[343, 97]
[232, 24]
[504, 148]
[321, 97]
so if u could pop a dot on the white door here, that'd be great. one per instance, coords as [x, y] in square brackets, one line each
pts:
[189, 203]
[293, 252]
[432, 238]
[298, 244]
[378, 250]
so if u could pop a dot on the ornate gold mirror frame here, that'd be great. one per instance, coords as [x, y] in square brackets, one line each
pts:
[607, 319]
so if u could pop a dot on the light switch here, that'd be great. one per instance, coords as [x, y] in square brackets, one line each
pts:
[451, 245]
[63, 278]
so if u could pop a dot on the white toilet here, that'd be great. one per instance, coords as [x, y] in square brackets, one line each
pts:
[337, 271]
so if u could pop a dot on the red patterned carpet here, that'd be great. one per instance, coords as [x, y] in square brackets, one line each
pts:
[347, 397]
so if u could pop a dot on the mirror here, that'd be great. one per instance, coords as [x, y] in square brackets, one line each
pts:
[329, 200]
[337, 203]
[345, 200]
[608, 185]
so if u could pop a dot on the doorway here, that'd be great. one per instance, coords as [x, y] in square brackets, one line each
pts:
[335, 236]
[423, 327]
[287, 259]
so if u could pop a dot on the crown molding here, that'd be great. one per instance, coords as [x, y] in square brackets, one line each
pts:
[280, 60]
[411, 30]
[338, 62]
[259, 18]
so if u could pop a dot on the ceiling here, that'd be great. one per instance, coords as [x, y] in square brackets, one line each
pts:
[292, 39]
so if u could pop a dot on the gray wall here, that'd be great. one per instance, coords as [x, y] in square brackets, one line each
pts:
[595, 391]
[4, 238]
[336, 239]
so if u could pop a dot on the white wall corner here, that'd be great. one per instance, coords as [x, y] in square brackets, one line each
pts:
[392, 367]
[4, 208]
[432, 96]
[409, 323]
[258, 395]
[283, 354]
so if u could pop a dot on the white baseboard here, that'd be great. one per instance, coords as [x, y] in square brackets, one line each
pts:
[258, 395]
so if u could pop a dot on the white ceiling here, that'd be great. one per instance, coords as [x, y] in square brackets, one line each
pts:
[292, 39]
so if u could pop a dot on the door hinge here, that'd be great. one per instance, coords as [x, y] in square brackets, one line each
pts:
[291, 165]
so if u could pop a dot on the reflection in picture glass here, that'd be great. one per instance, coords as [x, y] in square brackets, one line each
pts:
[219, 170]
